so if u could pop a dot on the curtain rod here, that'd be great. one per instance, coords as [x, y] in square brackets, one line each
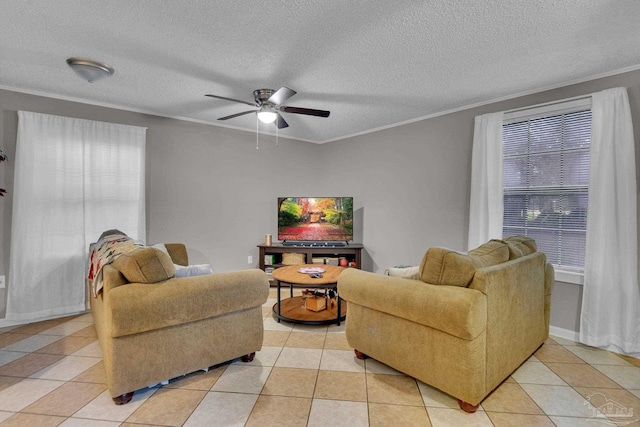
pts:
[545, 104]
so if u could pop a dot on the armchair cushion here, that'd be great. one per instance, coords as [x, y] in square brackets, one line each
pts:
[441, 266]
[145, 265]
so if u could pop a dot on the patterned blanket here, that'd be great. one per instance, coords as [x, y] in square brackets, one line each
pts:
[104, 252]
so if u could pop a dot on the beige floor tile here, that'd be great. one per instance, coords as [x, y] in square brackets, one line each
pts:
[243, 378]
[558, 400]
[88, 332]
[596, 356]
[341, 360]
[267, 356]
[632, 360]
[393, 389]
[169, 407]
[619, 398]
[291, 382]
[279, 411]
[66, 368]
[341, 386]
[270, 324]
[11, 338]
[275, 338]
[79, 422]
[29, 364]
[304, 358]
[199, 380]
[4, 415]
[336, 342]
[338, 413]
[432, 397]
[102, 407]
[33, 343]
[24, 393]
[576, 422]
[384, 415]
[500, 419]
[306, 340]
[9, 356]
[266, 311]
[65, 329]
[564, 341]
[581, 375]
[66, 345]
[91, 350]
[510, 397]
[314, 329]
[31, 420]
[222, 409]
[627, 376]
[372, 366]
[66, 399]
[35, 328]
[556, 353]
[94, 374]
[536, 373]
[445, 417]
[6, 382]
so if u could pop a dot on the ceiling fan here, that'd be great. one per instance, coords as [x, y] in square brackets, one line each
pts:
[269, 103]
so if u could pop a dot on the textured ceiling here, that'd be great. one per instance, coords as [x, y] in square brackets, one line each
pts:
[373, 64]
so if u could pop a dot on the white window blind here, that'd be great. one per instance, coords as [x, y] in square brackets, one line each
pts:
[546, 183]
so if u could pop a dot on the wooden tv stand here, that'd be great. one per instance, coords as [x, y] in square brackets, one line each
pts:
[352, 252]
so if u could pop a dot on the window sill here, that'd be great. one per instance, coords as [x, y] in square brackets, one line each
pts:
[566, 275]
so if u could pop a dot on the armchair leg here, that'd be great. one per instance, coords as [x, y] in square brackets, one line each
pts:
[468, 407]
[123, 398]
[248, 357]
[360, 355]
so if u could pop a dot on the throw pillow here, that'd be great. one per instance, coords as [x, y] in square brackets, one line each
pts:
[145, 265]
[441, 266]
[404, 271]
[193, 270]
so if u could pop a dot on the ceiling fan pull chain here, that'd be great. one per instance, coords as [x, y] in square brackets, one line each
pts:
[257, 133]
[277, 133]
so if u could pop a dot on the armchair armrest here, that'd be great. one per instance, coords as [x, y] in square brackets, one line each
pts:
[461, 312]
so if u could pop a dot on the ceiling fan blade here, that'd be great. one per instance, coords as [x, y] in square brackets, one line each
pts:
[253, 104]
[237, 115]
[281, 95]
[281, 123]
[307, 111]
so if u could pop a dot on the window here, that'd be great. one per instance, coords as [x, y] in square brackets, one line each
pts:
[546, 180]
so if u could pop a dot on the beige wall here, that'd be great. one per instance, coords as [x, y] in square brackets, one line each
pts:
[210, 188]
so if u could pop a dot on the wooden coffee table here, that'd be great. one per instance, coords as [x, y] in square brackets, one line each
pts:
[292, 309]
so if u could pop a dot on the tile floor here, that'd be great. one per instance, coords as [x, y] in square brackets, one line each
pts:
[51, 374]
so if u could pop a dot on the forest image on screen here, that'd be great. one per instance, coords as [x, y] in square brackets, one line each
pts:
[315, 218]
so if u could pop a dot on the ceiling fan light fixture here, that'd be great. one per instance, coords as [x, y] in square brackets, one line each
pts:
[89, 70]
[267, 115]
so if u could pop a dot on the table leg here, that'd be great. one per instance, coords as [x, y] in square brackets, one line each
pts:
[278, 300]
[339, 309]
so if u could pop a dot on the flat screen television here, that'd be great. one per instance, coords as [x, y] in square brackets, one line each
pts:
[315, 220]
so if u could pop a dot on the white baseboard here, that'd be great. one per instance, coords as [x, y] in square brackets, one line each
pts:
[564, 333]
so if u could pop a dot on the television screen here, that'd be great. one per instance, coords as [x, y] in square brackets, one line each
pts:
[315, 219]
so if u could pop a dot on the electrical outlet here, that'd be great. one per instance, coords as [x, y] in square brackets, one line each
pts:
[2, 281]
[249, 259]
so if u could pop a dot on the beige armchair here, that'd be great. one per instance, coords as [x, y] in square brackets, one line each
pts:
[155, 330]
[464, 326]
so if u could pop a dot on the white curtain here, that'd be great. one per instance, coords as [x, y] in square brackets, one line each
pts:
[486, 204]
[74, 179]
[610, 316]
